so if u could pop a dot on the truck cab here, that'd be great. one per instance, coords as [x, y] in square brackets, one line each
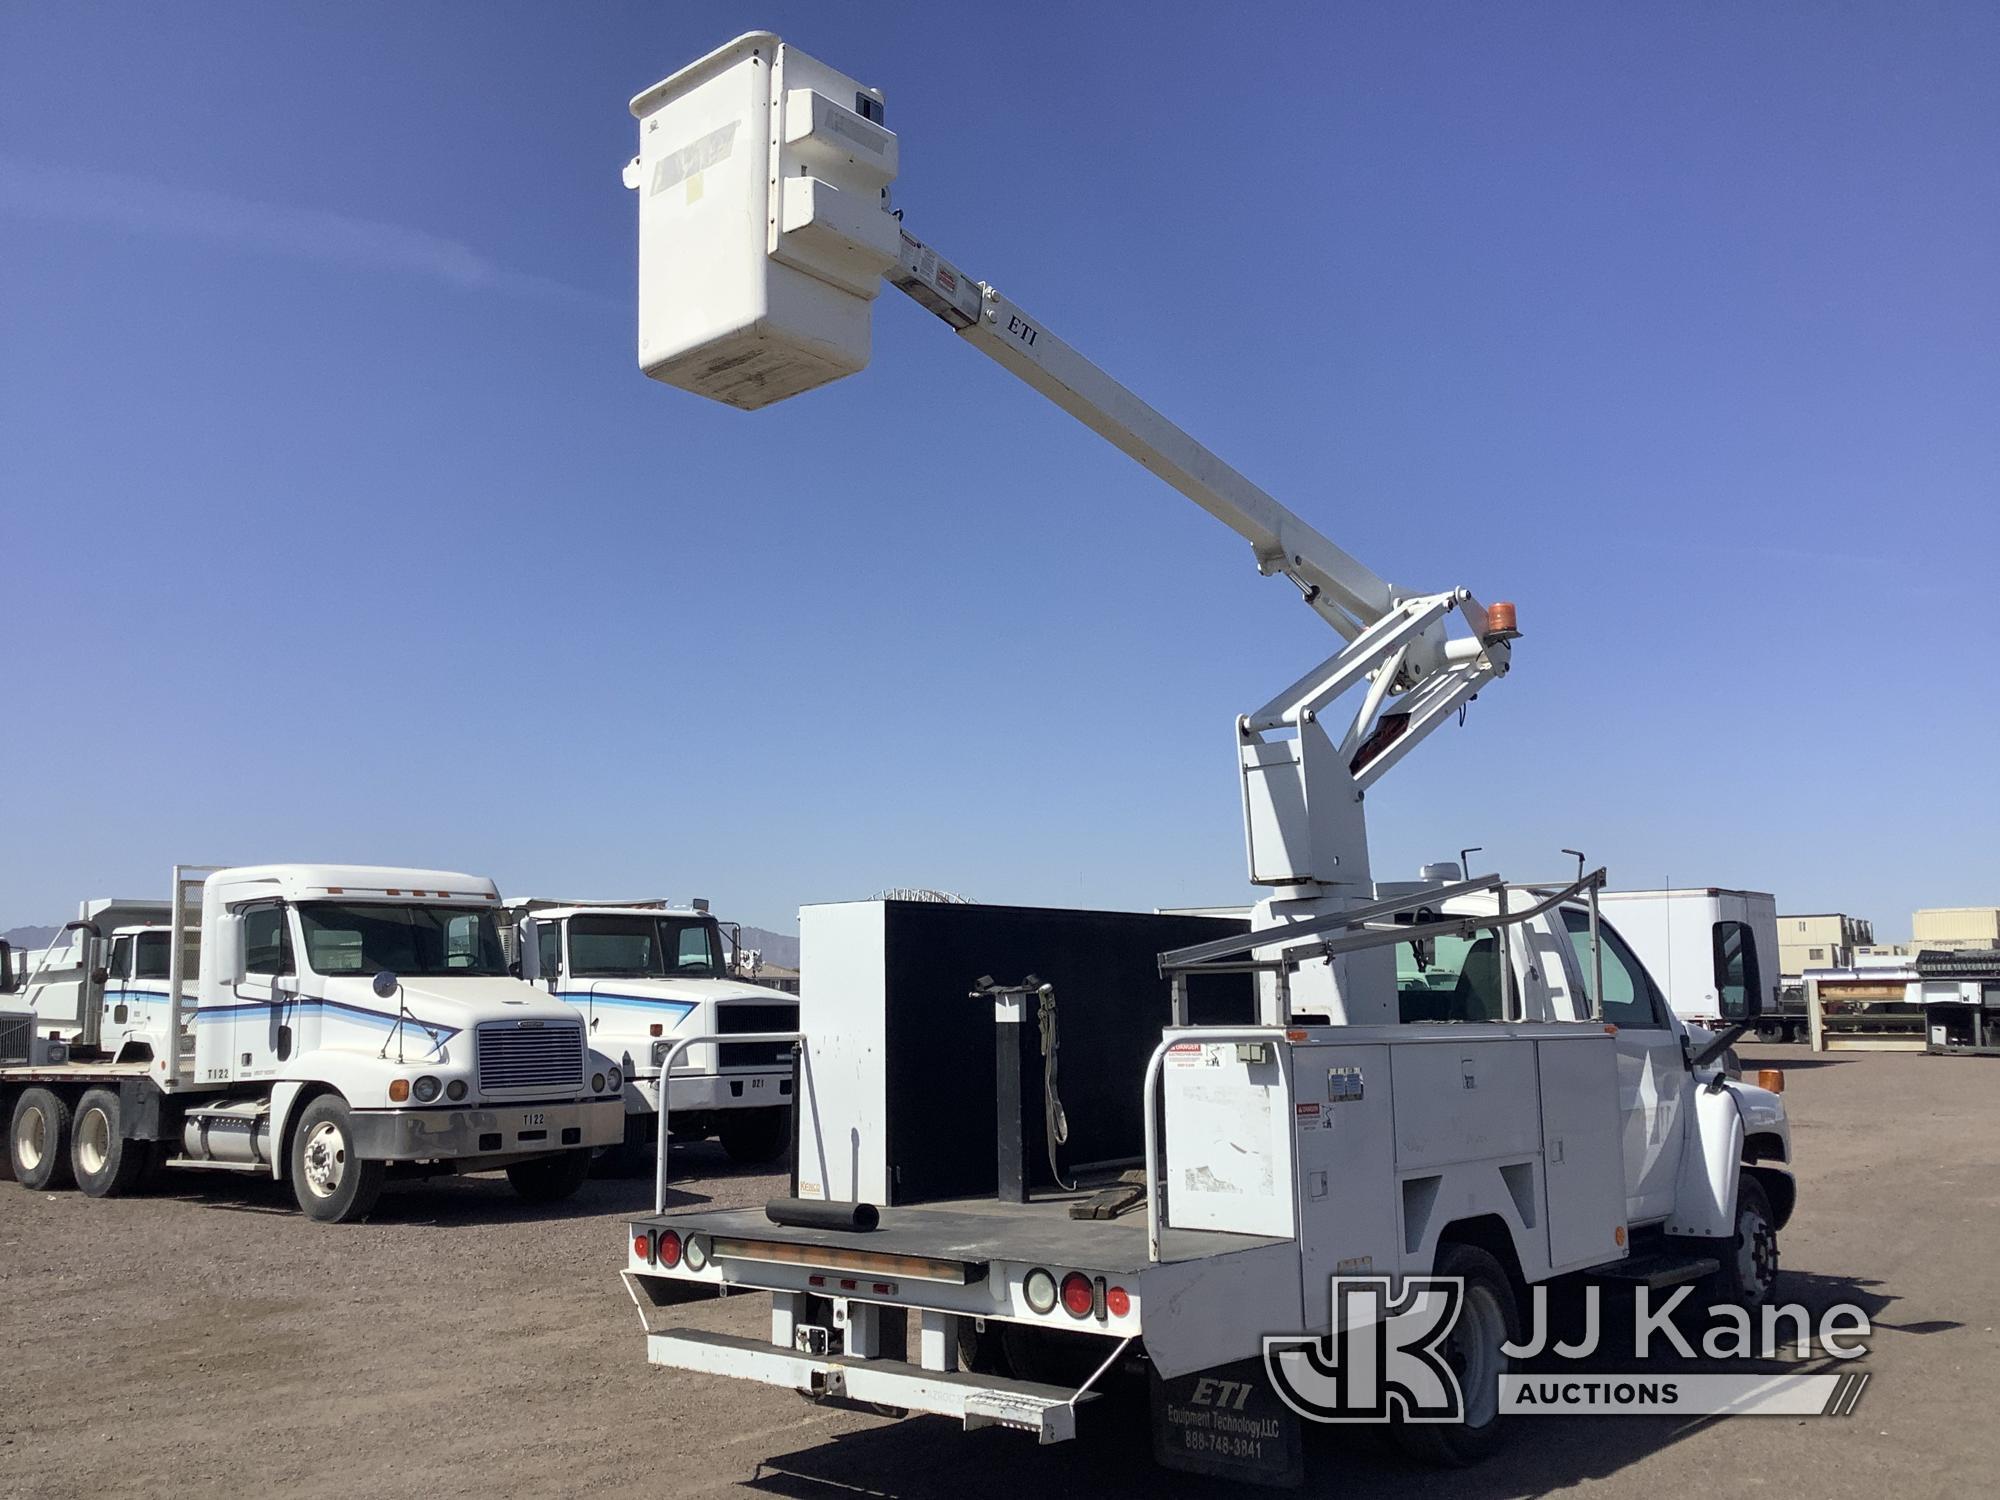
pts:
[646, 976]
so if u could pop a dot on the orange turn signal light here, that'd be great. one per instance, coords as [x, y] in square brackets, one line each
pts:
[1772, 1079]
[399, 1090]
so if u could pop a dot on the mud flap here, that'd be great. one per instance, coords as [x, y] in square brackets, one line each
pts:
[1229, 1423]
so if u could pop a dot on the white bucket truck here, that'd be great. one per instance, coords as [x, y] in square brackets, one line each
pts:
[348, 1022]
[646, 975]
[1539, 1113]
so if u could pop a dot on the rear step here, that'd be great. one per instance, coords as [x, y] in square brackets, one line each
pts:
[1048, 1411]
[1656, 1272]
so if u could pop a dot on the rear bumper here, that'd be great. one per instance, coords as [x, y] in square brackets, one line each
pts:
[511, 1130]
[976, 1400]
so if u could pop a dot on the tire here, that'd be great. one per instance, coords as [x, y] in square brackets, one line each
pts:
[1489, 1318]
[330, 1182]
[38, 1140]
[105, 1163]
[1748, 1276]
[550, 1179]
[633, 1156]
[1772, 1031]
[756, 1137]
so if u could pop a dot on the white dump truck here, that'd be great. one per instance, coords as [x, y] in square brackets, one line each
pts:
[1709, 947]
[348, 1022]
[1452, 1078]
[647, 975]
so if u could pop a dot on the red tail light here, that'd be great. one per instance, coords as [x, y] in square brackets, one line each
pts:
[642, 1246]
[670, 1248]
[1076, 1294]
[1119, 1301]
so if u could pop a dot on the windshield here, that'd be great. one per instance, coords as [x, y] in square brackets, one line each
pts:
[416, 941]
[155, 951]
[645, 947]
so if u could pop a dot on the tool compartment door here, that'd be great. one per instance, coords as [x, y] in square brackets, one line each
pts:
[1582, 1152]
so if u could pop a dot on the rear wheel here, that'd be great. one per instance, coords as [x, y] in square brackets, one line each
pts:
[105, 1163]
[1488, 1319]
[332, 1183]
[756, 1137]
[551, 1178]
[38, 1140]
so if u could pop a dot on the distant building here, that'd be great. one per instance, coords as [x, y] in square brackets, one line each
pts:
[1955, 927]
[1821, 940]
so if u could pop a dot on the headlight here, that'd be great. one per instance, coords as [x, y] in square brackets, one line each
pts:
[426, 1089]
[597, 1083]
[455, 1089]
[695, 1252]
[614, 1079]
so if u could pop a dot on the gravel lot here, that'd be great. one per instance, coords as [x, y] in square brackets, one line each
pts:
[208, 1340]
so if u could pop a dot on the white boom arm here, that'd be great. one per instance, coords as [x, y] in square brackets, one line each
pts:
[765, 230]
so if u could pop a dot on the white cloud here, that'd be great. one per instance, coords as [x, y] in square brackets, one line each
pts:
[154, 208]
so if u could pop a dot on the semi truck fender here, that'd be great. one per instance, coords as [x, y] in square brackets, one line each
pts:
[287, 1098]
[1711, 1161]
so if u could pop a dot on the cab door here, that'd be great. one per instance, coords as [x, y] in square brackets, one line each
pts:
[1652, 1069]
[260, 1018]
[117, 1003]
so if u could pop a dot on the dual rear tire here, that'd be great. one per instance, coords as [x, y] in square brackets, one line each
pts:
[54, 1144]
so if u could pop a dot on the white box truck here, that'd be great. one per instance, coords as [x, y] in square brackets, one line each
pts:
[1708, 947]
[645, 975]
[348, 1022]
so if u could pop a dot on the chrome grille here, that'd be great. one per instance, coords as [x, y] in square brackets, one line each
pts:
[513, 1056]
[17, 1030]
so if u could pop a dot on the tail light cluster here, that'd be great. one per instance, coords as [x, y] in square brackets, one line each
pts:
[662, 1249]
[1079, 1295]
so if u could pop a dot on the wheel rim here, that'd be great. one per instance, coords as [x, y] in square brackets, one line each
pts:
[31, 1138]
[1756, 1254]
[326, 1159]
[1472, 1349]
[93, 1141]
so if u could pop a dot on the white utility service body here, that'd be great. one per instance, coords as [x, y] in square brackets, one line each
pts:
[647, 976]
[345, 1019]
[1482, 1138]
[1708, 946]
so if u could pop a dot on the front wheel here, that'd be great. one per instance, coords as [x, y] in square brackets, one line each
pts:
[332, 1183]
[550, 1179]
[39, 1138]
[106, 1164]
[756, 1137]
[1748, 1276]
[1488, 1318]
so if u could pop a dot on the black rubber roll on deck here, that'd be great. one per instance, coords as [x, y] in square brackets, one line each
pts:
[813, 1213]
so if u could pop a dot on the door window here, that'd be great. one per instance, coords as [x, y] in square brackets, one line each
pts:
[121, 958]
[1630, 998]
[267, 941]
[548, 948]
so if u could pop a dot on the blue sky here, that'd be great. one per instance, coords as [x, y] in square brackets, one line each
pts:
[338, 522]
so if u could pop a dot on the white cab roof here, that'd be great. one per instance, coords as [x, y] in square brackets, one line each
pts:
[355, 882]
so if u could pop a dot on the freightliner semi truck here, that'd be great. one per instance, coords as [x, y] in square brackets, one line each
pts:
[348, 1023]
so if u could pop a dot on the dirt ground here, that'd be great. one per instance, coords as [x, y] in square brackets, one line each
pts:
[209, 1340]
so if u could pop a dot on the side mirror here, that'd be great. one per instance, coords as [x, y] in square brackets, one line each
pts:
[230, 957]
[385, 984]
[529, 965]
[6, 967]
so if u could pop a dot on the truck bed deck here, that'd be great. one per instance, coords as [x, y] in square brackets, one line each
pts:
[982, 1229]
